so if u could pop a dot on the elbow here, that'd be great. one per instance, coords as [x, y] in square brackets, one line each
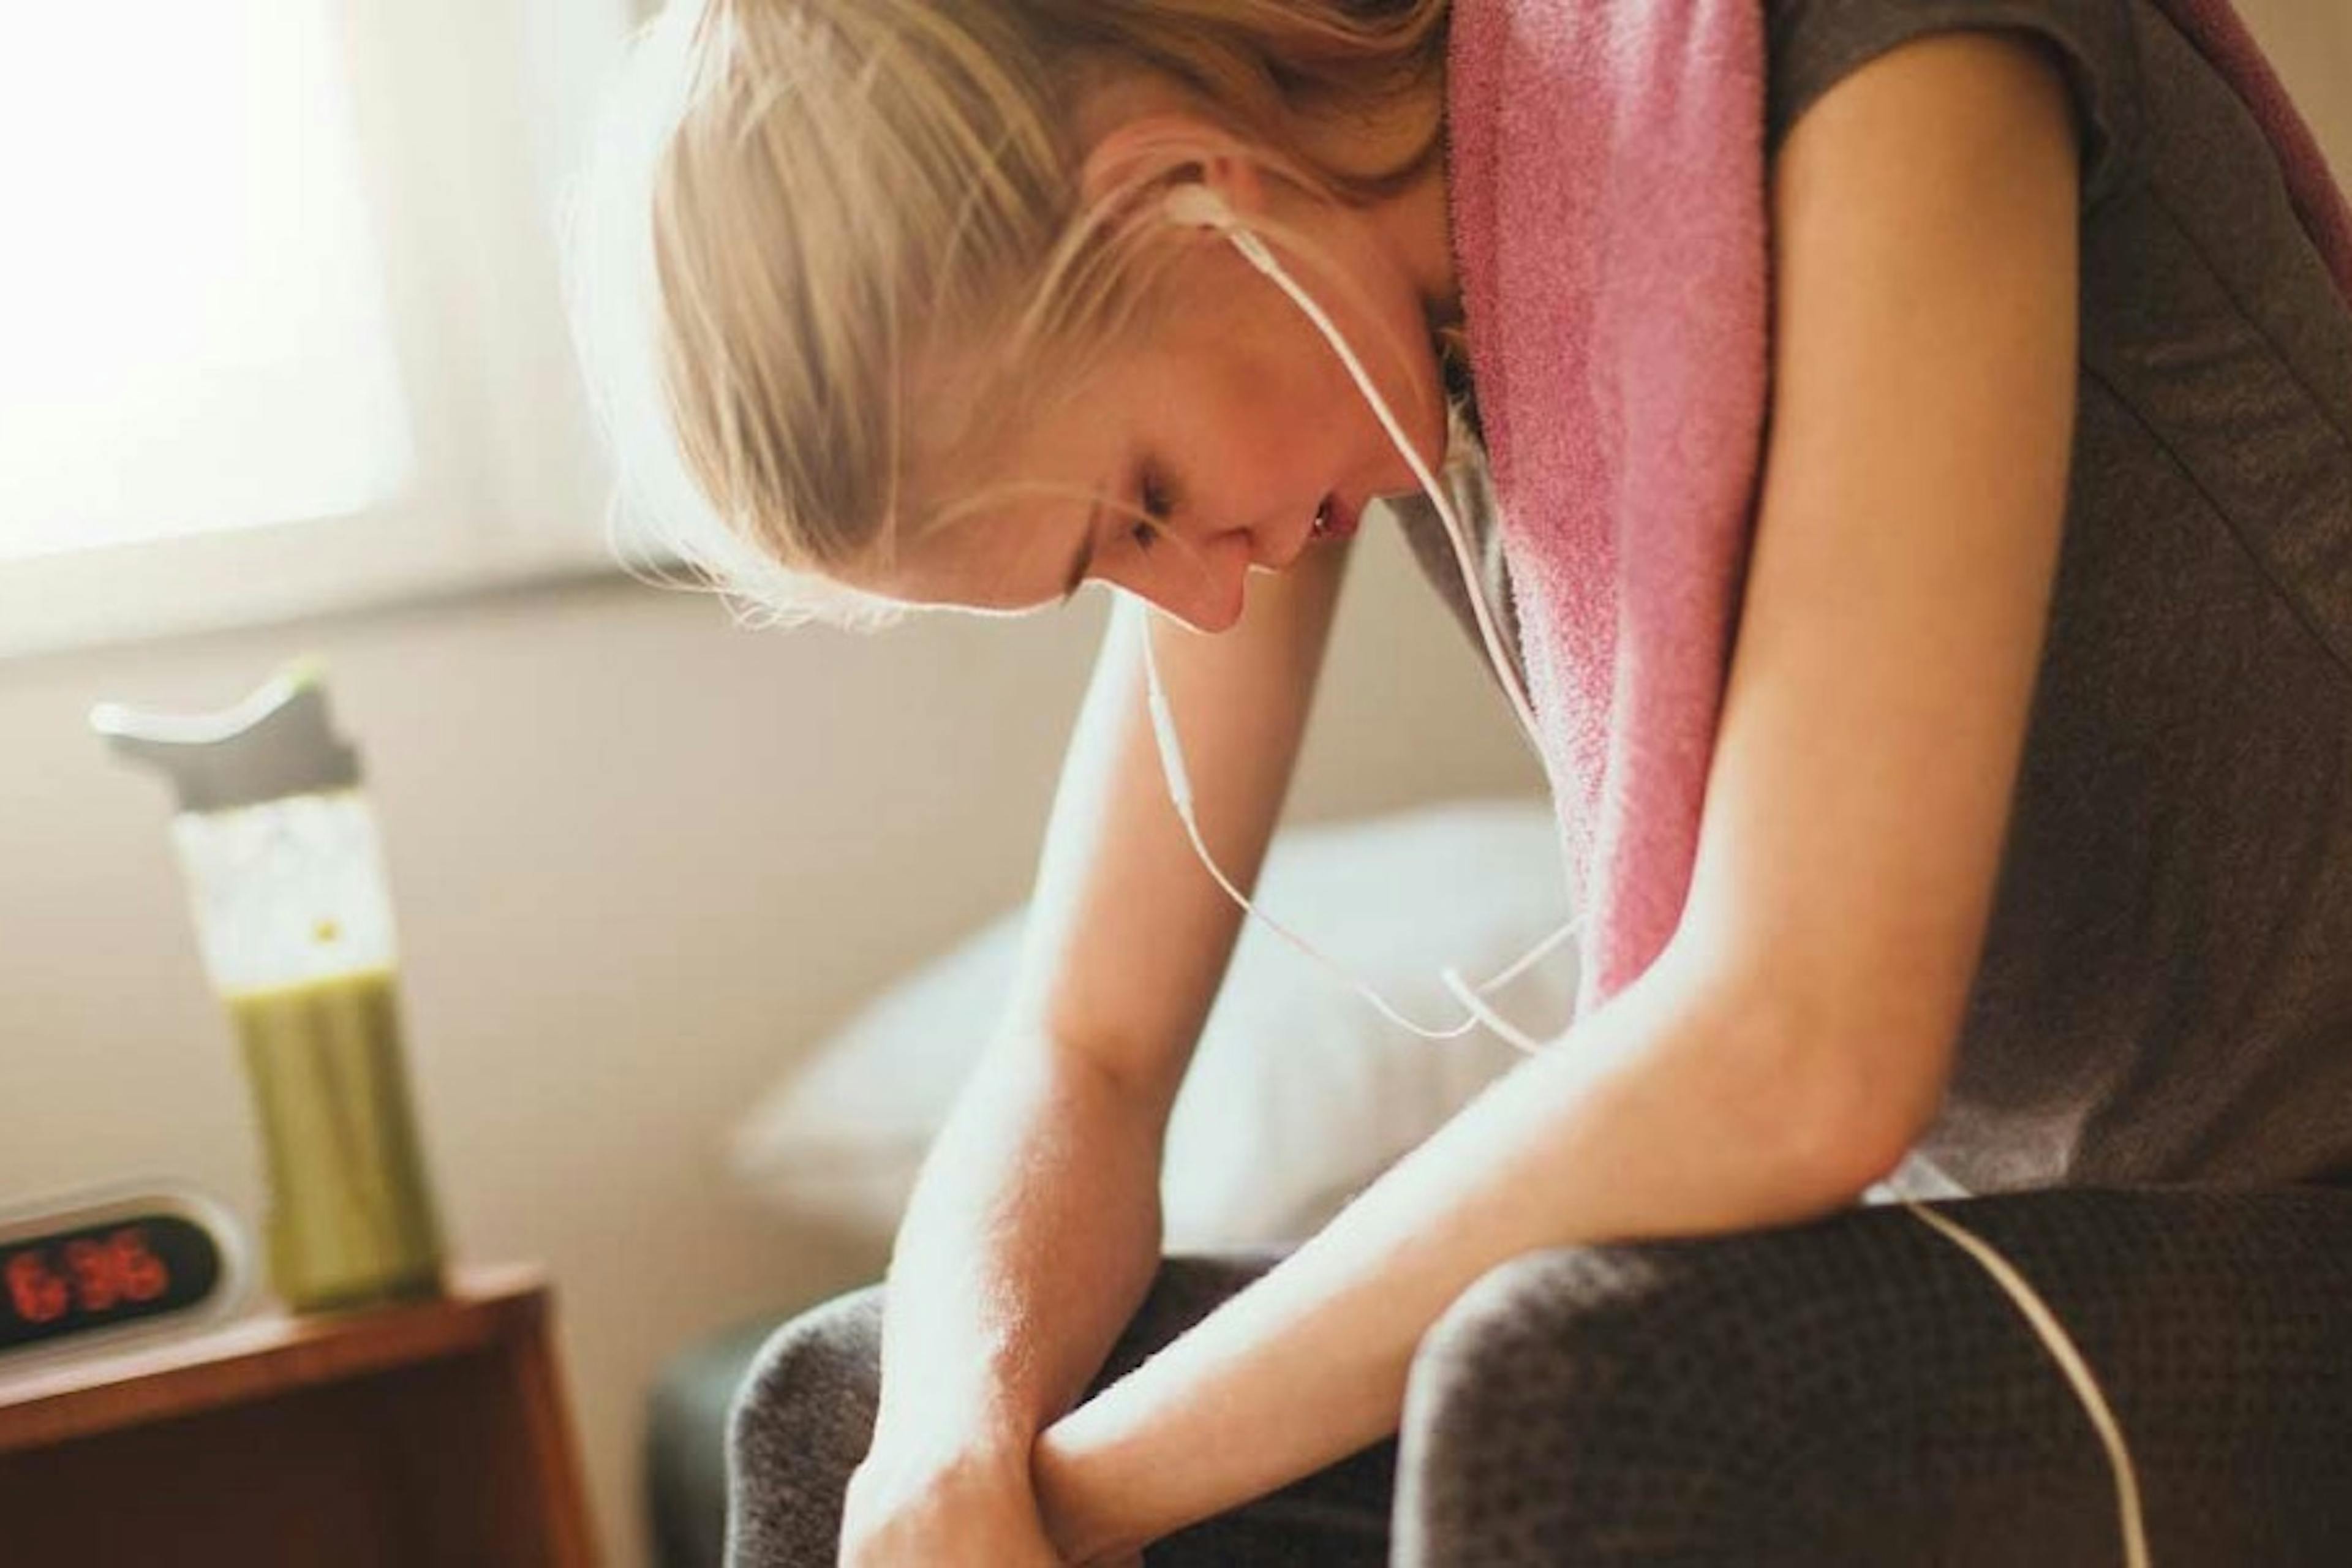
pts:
[1834, 1098]
[1825, 1097]
[1860, 1109]
[1840, 1157]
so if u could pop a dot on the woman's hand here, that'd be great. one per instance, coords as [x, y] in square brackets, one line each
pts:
[968, 1511]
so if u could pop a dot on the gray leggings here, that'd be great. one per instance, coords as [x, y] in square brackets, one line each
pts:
[1853, 1390]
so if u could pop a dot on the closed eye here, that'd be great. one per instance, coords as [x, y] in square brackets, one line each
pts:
[1158, 499]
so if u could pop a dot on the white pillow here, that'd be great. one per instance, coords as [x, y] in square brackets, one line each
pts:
[1300, 1092]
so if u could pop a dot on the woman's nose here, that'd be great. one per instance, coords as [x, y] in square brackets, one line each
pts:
[1201, 580]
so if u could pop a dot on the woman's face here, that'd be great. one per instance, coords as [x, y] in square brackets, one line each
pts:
[1233, 422]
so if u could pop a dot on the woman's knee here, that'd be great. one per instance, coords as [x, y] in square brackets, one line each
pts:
[1556, 1349]
[799, 1426]
[1750, 1399]
[1665, 1396]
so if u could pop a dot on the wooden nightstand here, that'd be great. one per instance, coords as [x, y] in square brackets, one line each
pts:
[409, 1437]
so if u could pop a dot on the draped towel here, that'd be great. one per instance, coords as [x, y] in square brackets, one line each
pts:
[1608, 204]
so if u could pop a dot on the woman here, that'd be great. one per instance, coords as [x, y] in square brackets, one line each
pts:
[2024, 842]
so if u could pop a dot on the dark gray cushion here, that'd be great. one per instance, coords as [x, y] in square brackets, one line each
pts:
[686, 1443]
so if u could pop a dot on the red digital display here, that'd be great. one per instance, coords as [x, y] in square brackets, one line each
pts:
[78, 1278]
[100, 1274]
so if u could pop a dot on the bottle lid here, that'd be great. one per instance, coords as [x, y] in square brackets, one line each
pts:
[277, 742]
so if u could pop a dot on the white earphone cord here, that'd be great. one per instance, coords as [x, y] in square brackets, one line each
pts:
[1194, 205]
[1179, 790]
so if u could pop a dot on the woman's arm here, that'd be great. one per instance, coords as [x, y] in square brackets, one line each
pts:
[1034, 1227]
[1793, 1039]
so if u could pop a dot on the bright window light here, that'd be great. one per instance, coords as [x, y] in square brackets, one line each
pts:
[194, 333]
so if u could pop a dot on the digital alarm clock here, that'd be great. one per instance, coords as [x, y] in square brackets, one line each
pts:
[107, 1266]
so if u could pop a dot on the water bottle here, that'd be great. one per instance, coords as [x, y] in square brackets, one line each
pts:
[279, 852]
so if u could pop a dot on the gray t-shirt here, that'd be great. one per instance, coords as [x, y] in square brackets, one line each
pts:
[2166, 989]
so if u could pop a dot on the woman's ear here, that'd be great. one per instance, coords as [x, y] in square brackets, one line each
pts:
[1155, 147]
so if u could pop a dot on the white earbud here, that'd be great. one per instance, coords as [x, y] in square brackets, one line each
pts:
[1195, 206]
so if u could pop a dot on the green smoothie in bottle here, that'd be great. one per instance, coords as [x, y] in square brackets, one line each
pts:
[349, 1219]
[280, 854]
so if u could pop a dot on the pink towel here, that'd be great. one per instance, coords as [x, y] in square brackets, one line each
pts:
[1609, 212]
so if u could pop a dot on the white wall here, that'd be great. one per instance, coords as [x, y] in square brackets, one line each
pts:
[639, 859]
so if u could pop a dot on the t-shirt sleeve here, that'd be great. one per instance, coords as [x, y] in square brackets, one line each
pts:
[1812, 44]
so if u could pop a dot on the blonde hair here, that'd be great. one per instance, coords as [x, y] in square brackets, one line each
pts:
[797, 199]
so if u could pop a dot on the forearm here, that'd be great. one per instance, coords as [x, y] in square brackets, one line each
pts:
[1650, 1119]
[1032, 1235]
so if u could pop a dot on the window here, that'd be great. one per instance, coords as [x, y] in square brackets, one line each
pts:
[280, 317]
